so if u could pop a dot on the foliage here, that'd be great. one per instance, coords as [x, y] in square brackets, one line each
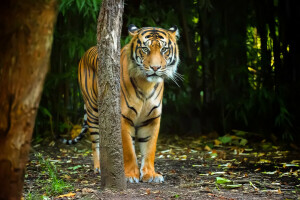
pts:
[52, 185]
[238, 59]
[61, 103]
[55, 185]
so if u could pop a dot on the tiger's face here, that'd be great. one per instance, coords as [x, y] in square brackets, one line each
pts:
[154, 52]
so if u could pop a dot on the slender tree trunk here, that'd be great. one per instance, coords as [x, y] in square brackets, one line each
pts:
[26, 30]
[109, 103]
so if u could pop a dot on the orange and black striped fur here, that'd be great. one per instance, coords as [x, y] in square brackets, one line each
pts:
[150, 57]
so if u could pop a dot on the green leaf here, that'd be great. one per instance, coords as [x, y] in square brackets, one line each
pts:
[45, 111]
[240, 133]
[243, 142]
[225, 139]
[220, 180]
[75, 167]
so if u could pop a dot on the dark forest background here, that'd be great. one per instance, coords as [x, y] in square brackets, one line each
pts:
[239, 60]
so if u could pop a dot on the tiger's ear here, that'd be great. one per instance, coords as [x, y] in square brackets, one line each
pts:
[132, 29]
[174, 31]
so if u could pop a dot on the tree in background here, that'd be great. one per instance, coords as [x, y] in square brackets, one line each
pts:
[238, 58]
[109, 103]
[26, 40]
[75, 32]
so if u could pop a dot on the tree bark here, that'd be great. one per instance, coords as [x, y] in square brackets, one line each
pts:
[26, 30]
[109, 103]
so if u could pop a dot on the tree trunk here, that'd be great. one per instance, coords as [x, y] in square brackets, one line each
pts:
[109, 108]
[26, 30]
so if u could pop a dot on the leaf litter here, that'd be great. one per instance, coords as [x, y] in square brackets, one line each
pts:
[234, 166]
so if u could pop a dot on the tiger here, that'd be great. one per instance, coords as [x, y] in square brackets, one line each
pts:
[151, 56]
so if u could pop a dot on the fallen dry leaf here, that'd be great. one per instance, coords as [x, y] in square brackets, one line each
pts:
[71, 194]
[67, 176]
[207, 148]
[217, 142]
[148, 191]
[279, 191]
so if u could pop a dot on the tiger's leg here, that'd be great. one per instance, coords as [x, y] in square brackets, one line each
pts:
[147, 138]
[87, 80]
[92, 119]
[130, 162]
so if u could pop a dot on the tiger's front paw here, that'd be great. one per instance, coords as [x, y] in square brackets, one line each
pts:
[151, 176]
[132, 175]
[132, 179]
[97, 171]
[97, 167]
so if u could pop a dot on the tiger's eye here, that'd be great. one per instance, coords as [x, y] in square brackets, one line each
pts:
[145, 50]
[164, 49]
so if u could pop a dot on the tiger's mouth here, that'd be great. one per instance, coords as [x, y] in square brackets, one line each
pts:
[152, 75]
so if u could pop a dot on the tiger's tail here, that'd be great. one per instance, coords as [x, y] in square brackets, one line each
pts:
[83, 131]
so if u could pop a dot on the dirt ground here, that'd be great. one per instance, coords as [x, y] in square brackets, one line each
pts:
[193, 168]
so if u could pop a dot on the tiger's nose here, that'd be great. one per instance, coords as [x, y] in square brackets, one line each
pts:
[155, 68]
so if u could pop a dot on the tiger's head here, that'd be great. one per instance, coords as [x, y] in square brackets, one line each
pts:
[154, 52]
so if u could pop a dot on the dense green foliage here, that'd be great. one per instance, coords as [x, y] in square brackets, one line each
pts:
[62, 104]
[238, 58]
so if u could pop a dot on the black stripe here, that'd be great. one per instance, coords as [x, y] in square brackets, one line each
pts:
[84, 130]
[153, 31]
[159, 91]
[88, 95]
[87, 98]
[80, 66]
[94, 133]
[95, 142]
[132, 137]
[161, 32]
[93, 89]
[153, 91]
[91, 119]
[145, 139]
[137, 92]
[147, 31]
[153, 109]
[92, 123]
[92, 57]
[95, 127]
[88, 55]
[91, 116]
[129, 120]
[147, 122]
[132, 108]
[87, 59]
[132, 52]
[170, 48]
[174, 61]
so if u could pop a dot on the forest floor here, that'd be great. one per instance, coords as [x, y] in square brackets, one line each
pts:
[236, 166]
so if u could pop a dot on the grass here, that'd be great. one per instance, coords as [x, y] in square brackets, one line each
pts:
[52, 184]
